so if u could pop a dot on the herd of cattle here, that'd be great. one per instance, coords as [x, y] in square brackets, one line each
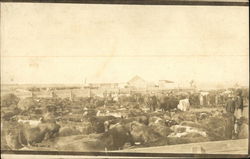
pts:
[114, 122]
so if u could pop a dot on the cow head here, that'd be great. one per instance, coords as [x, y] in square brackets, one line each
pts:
[106, 126]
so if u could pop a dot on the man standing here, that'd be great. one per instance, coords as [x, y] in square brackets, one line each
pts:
[153, 102]
[230, 105]
[239, 104]
[238, 111]
[229, 117]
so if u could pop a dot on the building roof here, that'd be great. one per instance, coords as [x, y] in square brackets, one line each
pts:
[136, 78]
[167, 81]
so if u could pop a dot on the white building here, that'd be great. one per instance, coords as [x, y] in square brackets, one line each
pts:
[137, 82]
[166, 84]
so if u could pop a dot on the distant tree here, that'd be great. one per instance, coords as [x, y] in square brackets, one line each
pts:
[34, 89]
[236, 85]
[192, 84]
[9, 99]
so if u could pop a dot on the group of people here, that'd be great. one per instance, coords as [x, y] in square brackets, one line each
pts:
[234, 108]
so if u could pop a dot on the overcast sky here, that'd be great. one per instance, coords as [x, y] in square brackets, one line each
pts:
[66, 43]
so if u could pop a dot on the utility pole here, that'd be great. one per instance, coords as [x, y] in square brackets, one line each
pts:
[90, 91]
[84, 83]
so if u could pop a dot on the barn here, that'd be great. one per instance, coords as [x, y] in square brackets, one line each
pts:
[137, 82]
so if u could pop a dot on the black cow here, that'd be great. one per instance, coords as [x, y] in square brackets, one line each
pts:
[32, 135]
[168, 103]
[98, 123]
[116, 137]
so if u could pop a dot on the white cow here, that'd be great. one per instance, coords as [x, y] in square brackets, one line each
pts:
[31, 123]
[183, 105]
[180, 131]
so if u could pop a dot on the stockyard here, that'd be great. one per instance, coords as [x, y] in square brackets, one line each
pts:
[131, 118]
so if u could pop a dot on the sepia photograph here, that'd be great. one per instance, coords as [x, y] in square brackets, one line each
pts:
[124, 79]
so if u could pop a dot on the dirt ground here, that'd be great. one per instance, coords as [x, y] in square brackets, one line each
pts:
[214, 147]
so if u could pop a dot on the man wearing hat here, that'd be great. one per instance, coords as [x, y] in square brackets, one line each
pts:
[238, 111]
[230, 106]
[238, 104]
[230, 119]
